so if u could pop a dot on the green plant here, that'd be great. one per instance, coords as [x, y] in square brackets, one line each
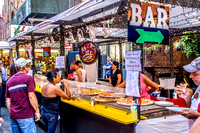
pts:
[157, 46]
[190, 44]
[167, 47]
[178, 45]
[149, 48]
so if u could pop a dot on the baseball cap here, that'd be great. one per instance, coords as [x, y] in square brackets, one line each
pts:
[21, 62]
[193, 66]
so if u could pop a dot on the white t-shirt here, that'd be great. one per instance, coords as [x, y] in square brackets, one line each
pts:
[195, 105]
[83, 75]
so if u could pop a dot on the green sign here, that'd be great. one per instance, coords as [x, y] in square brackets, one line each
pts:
[149, 36]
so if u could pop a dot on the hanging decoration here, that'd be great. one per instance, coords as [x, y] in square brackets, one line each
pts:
[71, 37]
[106, 30]
[80, 35]
[91, 32]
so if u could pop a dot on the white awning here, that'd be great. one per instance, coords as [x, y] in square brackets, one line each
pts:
[6, 45]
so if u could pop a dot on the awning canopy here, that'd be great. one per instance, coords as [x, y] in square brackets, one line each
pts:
[90, 10]
[6, 45]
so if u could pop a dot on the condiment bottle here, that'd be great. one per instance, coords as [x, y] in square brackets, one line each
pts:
[92, 102]
[174, 95]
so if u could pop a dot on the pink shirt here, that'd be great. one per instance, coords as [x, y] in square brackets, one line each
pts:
[144, 87]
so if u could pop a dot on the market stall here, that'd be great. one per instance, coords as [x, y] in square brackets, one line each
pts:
[108, 19]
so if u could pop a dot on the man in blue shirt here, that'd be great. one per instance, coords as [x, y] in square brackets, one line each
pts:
[107, 68]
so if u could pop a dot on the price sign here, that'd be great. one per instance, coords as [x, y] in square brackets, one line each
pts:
[133, 61]
[60, 62]
[88, 52]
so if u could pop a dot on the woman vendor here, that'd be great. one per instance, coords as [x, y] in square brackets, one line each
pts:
[144, 82]
[115, 74]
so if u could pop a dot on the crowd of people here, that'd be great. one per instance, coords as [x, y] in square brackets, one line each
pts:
[22, 103]
[21, 100]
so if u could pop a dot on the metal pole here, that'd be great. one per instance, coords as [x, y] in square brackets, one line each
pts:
[171, 57]
[17, 49]
[62, 45]
[120, 54]
[33, 55]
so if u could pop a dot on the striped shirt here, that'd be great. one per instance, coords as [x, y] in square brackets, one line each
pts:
[17, 89]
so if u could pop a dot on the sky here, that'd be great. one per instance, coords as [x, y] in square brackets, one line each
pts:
[1, 4]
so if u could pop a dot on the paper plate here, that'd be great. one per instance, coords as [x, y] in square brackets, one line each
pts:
[164, 103]
[176, 109]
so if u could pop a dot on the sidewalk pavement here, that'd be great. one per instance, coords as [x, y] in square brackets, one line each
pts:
[6, 127]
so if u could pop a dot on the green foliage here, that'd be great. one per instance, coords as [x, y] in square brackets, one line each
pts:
[157, 46]
[190, 44]
[178, 45]
[149, 48]
[167, 47]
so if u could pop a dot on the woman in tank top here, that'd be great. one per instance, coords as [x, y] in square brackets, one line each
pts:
[51, 94]
[81, 75]
[144, 82]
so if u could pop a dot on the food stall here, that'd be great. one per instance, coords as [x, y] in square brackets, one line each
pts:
[110, 112]
[78, 115]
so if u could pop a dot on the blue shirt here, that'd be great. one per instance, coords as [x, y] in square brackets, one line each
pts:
[107, 71]
[4, 73]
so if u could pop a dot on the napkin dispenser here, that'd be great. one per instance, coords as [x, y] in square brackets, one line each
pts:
[167, 87]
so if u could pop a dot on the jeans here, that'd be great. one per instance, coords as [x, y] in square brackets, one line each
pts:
[50, 121]
[0, 98]
[3, 95]
[23, 125]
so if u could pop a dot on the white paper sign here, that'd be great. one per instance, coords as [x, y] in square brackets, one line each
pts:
[60, 62]
[60, 72]
[132, 86]
[30, 72]
[132, 61]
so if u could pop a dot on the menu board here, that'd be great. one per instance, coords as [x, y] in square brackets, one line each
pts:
[60, 62]
[133, 66]
[132, 88]
[133, 61]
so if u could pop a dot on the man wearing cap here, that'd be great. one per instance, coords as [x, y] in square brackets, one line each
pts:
[4, 79]
[192, 102]
[21, 99]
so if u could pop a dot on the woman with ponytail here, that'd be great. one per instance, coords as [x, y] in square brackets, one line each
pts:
[51, 94]
[81, 75]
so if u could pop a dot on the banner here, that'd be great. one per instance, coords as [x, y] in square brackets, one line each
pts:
[46, 52]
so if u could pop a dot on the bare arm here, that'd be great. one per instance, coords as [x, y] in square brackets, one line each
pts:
[150, 83]
[86, 77]
[195, 127]
[79, 74]
[34, 104]
[60, 93]
[119, 76]
[8, 103]
[122, 85]
[110, 81]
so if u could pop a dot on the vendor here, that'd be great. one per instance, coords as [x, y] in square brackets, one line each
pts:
[81, 74]
[144, 82]
[115, 74]
[192, 102]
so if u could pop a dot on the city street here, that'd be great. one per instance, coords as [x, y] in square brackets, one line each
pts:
[6, 127]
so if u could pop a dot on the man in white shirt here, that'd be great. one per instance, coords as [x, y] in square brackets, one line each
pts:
[4, 79]
[193, 103]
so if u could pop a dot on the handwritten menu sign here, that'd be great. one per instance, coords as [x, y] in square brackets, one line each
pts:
[60, 62]
[132, 88]
[133, 66]
[88, 52]
[133, 61]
